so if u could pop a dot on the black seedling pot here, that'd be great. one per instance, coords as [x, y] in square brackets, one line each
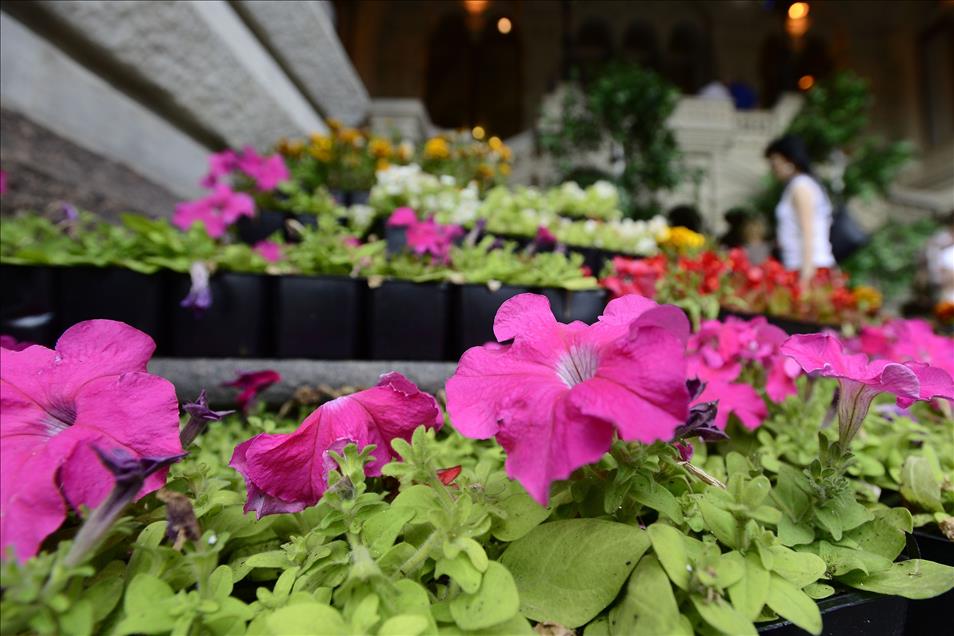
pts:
[409, 321]
[261, 226]
[585, 305]
[27, 311]
[851, 614]
[475, 307]
[235, 325]
[932, 615]
[318, 317]
[115, 293]
[790, 326]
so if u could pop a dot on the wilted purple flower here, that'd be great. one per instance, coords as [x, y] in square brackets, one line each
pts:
[70, 213]
[199, 297]
[702, 416]
[130, 472]
[199, 415]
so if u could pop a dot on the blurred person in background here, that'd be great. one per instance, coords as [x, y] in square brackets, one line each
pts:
[747, 231]
[685, 216]
[804, 212]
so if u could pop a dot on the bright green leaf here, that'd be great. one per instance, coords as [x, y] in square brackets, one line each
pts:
[494, 602]
[915, 579]
[789, 602]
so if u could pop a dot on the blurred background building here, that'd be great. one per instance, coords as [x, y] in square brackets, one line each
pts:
[118, 103]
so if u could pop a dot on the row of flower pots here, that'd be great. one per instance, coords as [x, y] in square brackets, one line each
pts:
[251, 315]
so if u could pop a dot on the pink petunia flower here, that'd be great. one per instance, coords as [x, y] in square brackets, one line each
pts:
[269, 250]
[555, 396]
[266, 172]
[221, 165]
[252, 383]
[11, 343]
[435, 239]
[734, 397]
[860, 380]
[289, 472]
[402, 217]
[544, 237]
[92, 389]
[216, 211]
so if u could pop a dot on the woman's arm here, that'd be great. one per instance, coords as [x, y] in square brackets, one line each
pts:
[803, 200]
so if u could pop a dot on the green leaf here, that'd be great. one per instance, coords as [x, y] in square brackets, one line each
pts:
[404, 625]
[670, 549]
[146, 606]
[801, 568]
[105, 593]
[748, 594]
[78, 619]
[382, 530]
[720, 523]
[522, 514]
[919, 484]
[648, 606]
[915, 579]
[723, 617]
[220, 583]
[461, 570]
[649, 493]
[496, 601]
[791, 533]
[789, 602]
[307, 618]
[568, 571]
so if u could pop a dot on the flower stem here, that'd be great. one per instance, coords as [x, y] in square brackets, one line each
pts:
[417, 559]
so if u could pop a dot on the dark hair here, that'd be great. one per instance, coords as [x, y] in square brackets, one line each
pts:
[793, 149]
[685, 216]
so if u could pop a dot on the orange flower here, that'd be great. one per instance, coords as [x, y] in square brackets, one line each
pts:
[944, 311]
[382, 164]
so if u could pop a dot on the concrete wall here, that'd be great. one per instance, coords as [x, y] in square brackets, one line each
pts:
[151, 87]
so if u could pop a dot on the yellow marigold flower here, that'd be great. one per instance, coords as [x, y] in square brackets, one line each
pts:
[318, 139]
[504, 169]
[495, 143]
[505, 153]
[405, 151]
[321, 154]
[868, 296]
[382, 164]
[683, 238]
[333, 124]
[380, 148]
[484, 171]
[436, 148]
[290, 147]
[350, 136]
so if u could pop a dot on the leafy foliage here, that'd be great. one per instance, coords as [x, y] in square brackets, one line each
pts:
[635, 542]
[629, 106]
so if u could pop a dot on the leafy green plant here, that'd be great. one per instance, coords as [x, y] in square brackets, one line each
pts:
[629, 106]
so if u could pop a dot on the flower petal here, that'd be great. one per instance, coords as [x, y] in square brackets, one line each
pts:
[549, 440]
[137, 412]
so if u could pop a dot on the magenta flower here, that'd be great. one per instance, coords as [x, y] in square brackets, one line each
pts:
[252, 383]
[544, 237]
[555, 397]
[289, 472]
[266, 172]
[216, 211]
[221, 165]
[402, 217]
[734, 398]
[269, 250]
[3, 182]
[92, 390]
[352, 241]
[11, 343]
[430, 237]
[860, 380]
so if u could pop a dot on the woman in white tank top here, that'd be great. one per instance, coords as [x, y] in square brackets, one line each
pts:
[804, 212]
